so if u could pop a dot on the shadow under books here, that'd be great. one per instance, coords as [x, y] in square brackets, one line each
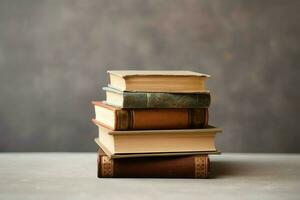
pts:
[230, 168]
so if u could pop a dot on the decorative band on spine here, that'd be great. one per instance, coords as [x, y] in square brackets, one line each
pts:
[190, 118]
[201, 166]
[107, 167]
[130, 118]
[206, 117]
[196, 118]
[122, 119]
[119, 119]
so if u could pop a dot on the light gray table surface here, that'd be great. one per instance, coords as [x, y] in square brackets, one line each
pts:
[73, 176]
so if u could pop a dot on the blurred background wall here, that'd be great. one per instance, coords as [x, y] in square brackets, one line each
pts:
[54, 55]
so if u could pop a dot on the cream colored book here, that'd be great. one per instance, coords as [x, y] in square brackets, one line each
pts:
[158, 81]
[134, 155]
[158, 141]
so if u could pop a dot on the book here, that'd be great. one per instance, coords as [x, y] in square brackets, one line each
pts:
[116, 118]
[158, 81]
[151, 141]
[125, 99]
[197, 166]
[161, 154]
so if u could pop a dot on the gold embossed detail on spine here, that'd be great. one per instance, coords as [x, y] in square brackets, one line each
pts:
[122, 119]
[190, 117]
[206, 115]
[201, 166]
[130, 119]
[107, 167]
[198, 118]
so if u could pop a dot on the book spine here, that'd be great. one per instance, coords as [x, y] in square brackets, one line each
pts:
[138, 119]
[123, 120]
[154, 167]
[166, 100]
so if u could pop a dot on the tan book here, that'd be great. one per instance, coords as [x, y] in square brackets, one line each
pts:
[117, 118]
[158, 81]
[158, 154]
[158, 141]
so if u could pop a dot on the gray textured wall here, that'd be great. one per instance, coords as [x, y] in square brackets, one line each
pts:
[54, 55]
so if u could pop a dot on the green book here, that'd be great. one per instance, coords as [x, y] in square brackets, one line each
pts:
[126, 99]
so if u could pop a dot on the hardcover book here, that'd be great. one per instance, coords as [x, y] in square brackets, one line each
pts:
[125, 99]
[137, 119]
[151, 141]
[155, 154]
[158, 81]
[153, 167]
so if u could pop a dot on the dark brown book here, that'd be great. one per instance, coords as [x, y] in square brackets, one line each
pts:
[116, 118]
[153, 167]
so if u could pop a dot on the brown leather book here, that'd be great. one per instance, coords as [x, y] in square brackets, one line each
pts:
[153, 167]
[137, 119]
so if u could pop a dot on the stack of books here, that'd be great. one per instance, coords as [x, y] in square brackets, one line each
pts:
[155, 124]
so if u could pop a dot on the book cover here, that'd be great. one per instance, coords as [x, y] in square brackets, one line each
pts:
[196, 166]
[158, 141]
[158, 81]
[142, 73]
[117, 118]
[156, 99]
[160, 154]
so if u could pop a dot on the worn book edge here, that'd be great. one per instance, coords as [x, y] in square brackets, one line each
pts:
[105, 105]
[102, 124]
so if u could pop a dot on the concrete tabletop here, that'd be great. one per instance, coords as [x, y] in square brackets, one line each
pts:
[73, 176]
